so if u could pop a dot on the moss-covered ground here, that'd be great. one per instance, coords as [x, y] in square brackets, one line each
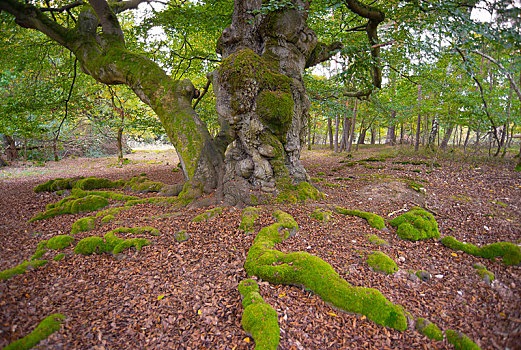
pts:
[187, 292]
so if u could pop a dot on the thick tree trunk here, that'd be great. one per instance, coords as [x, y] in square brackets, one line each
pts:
[447, 136]
[373, 135]
[361, 138]
[11, 151]
[261, 98]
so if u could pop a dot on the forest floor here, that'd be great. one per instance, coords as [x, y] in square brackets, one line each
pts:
[184, 295]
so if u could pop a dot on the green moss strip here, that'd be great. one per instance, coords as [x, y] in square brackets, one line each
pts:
[381, 262]
[485, 274]
[48, 326]
[153, 200]
[88, 183]
[374, 220]
[59, 242]
[301, 192]
[73, 206]
[321, 215]
[259, 319]
[510, 252]
[303, 269]
[429, 329]
[110, 243]
[207, 215]
[460, 340]
[249, 215]
[20, 269]
[377, 240]
[416, 224]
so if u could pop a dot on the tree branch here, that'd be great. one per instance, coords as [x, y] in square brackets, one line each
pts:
[63, 8]
[485, 105]
[375, 17]
[108, 20]
[29, 16]
[509, 76]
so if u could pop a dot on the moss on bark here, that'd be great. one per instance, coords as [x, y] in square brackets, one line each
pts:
[510, 252]
[301, 268]
[259, 318]
[45, 328]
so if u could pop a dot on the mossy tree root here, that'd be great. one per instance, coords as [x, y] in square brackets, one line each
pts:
[382, 262]
[303, 269]
[259, 319]
[110, 243]
[88, 183]
[460, 341]
[248, 218]
[416, 224]
[375, 221]
[48, 326]
[510, 252]
[429, 329]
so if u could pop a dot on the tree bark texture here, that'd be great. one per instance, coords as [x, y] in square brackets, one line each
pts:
[261, 98]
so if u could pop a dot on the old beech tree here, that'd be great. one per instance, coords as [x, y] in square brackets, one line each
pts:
[261, 98]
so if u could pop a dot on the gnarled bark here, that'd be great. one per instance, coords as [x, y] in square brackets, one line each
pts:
[261, 96]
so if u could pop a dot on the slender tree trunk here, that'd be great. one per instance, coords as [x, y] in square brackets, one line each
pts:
[330, 132]
[337, 123]
[419, 120]
[353, 123]
[390, 138]
[467, 138]
[434, 132]
[373, 135]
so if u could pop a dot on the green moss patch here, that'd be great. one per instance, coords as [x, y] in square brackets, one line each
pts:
[429, 329]
[323, 215]
[259, 318]
[152, 200]
[484, 274]
[48, 326]
[510, 252]
[107, 218]
[142, 184]
[181, 236]
[88, 183]
[301, 192]
[303, 269]
[59, 257]
[59, 242]
[83, 224]
[73, 206]
[248, 217]
[381, 262]
[373, 220]
[110, 243]
[460, 341]
[416, 224]
[377, 240]
[207, 215]
[110, 211]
